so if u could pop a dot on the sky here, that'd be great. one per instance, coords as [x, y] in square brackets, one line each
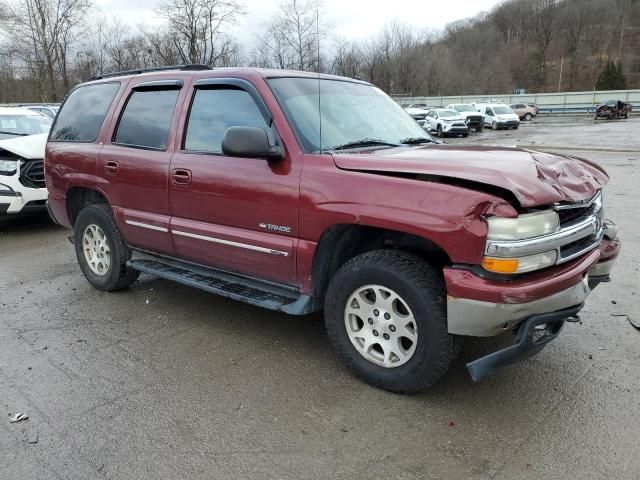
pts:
[351, 19]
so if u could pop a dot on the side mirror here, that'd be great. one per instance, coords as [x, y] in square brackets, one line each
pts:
[250, 142]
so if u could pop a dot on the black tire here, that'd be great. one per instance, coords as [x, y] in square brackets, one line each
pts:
[420, 285]
[480, 129]
[465, 135]
[528, 117]
[440, 133]
[118, 275]
[494, 125]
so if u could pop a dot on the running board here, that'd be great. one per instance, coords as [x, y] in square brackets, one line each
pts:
[237, 287]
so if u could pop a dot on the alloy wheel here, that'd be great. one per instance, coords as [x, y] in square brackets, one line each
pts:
[381, 326]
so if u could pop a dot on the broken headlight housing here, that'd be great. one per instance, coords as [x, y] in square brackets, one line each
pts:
[8, 167]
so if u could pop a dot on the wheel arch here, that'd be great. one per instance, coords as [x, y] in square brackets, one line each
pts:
[342, 242]
[79, 198]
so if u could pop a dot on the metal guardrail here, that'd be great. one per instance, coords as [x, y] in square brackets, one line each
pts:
[562, 102]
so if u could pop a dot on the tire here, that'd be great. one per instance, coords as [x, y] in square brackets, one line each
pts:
[440, 133]
[416, 283]
[465, 135]
[480, 129]
[494, 125]
[528, 117]
[96, 221]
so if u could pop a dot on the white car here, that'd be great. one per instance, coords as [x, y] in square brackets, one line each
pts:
[419, 112]
[23, 136]
[445, 122]
[472, 117]
[498, 115]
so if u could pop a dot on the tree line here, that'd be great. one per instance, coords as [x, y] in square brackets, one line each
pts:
[47, 46]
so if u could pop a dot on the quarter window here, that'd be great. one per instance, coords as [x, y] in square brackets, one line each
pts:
[146, 119]
[83, 112]
[215, 110]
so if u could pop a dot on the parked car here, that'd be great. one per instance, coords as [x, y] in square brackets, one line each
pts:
[49, 110]
[472, 118]
[223, 180]
[612, 109]
[524, 111]
[446, 122]
[418, 113]
[498, 115]
[23, 135]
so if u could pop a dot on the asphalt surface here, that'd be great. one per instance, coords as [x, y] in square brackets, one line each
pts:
[163, 381]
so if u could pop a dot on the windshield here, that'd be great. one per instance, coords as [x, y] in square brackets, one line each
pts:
[351, 113]
[464, 108]
[19, 125]
[502, 110]
[448, 113]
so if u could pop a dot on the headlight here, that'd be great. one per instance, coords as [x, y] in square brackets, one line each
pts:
[524, 227]
[520, 264]
[529, 225]
[8, 167]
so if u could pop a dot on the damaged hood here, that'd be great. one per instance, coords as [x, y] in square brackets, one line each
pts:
[534, 178]
[30, 147]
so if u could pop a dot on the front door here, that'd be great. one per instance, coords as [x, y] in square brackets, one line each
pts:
[234, 214]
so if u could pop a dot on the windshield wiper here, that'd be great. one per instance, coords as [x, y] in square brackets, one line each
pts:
[2, 132]
[416, 140]
[365, 142]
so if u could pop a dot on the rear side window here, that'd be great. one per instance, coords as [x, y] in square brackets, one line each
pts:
[215, 110]
[146, 119]
[83, 112]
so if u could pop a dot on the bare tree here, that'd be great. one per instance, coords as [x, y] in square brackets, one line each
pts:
[197, 28]
[291, 37]
[47, 30]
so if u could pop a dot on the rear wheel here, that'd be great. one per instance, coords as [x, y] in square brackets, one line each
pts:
[385, 315]
[101, 251]
[528, 117]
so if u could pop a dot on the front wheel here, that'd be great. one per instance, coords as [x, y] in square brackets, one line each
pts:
[528, 117]
[385, 315]
[480, 128]
[101, 251]
[494, 125]
[440, 133]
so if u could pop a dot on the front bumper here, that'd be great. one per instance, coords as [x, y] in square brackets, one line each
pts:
[15, 197]
[483, 307]
[532, 336]
[535, 310]
[455, 129]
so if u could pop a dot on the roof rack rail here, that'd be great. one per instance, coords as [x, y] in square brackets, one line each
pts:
[151, 69]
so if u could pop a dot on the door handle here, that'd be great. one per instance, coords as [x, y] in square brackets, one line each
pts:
[181, 176]
[111, 167]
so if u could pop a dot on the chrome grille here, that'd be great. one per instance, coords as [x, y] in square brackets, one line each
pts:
[32, 173]
[581, 230]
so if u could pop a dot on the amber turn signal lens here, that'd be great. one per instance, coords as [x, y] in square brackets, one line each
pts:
[500, 265]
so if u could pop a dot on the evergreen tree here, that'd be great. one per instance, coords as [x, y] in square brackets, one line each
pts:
[611, 77]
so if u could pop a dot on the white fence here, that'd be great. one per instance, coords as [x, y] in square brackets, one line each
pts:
[562, 102]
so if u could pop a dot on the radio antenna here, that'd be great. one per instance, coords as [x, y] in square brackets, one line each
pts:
[318, 73]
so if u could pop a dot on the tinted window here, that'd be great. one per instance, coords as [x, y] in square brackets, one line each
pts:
[83, 113]
[146, 119]
[215, 110]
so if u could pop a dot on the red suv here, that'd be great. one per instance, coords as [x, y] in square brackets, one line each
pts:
[298, 192]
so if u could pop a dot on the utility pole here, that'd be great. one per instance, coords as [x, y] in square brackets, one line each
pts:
[560, 79]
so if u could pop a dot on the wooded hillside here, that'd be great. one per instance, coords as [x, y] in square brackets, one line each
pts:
[47, 46]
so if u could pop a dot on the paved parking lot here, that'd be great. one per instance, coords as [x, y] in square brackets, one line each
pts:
[162, 381]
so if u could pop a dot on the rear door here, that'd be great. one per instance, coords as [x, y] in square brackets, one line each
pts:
[234, 214]
[133, 169]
